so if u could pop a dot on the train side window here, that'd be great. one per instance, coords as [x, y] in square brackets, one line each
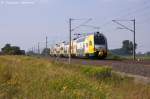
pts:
[61, 48]
[86, 44]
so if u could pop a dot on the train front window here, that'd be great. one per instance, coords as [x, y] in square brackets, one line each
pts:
[98, 39]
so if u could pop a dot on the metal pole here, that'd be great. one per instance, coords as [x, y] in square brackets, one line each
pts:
[46, 46]
[38, 48]
[70, 40]
[134, 54]
[32, 50]
[132, 30]
[46, 42]
[70, 30]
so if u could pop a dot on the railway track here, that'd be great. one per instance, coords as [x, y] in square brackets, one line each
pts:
[140, 68]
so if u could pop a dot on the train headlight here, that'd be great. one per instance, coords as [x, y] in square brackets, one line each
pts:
[101, 52]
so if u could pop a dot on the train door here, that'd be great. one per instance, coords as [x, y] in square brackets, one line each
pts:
[86, 46]
[91, 44]
[74, 46]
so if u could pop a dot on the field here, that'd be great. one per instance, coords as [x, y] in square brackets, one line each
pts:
[144, 57]
[23, 77]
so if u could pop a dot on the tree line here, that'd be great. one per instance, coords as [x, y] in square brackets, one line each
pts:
[12, 50]
[126, 49]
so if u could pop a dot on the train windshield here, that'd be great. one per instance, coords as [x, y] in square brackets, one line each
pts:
[99, 39]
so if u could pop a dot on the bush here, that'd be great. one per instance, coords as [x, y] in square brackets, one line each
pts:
[97, 72]
[113, 56]
[12, 50]
[31, 78]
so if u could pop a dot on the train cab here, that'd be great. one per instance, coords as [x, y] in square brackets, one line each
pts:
[100, 45]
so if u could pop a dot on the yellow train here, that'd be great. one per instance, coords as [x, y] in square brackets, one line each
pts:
[91, 46]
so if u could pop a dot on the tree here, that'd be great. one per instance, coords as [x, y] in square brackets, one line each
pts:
[45, 51]
[148, 53]
[6, 49]
[126, 49]
[12, 50]
[30, 53]
[127, 46]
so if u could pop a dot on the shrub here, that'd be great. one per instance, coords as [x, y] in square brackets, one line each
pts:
[97, 72]
[12, 50]
[113, 56]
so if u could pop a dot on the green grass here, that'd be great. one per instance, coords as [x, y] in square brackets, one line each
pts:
[144, 57]
[24, 77]
[112, 56]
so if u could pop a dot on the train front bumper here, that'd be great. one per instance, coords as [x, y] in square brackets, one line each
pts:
[101, 53]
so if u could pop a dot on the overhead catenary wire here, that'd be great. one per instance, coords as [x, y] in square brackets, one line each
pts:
[127, 14]
[130, 13]
[81, 24]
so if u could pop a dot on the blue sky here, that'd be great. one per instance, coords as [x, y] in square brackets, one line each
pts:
[26, 22]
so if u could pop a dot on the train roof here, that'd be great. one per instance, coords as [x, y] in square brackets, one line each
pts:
[94, 33]
[82, 38]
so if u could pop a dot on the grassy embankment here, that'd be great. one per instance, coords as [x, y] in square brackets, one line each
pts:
[138, 57]
[31, 78]
[112, 56]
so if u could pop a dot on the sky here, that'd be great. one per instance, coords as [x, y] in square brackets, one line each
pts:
[24, 23]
